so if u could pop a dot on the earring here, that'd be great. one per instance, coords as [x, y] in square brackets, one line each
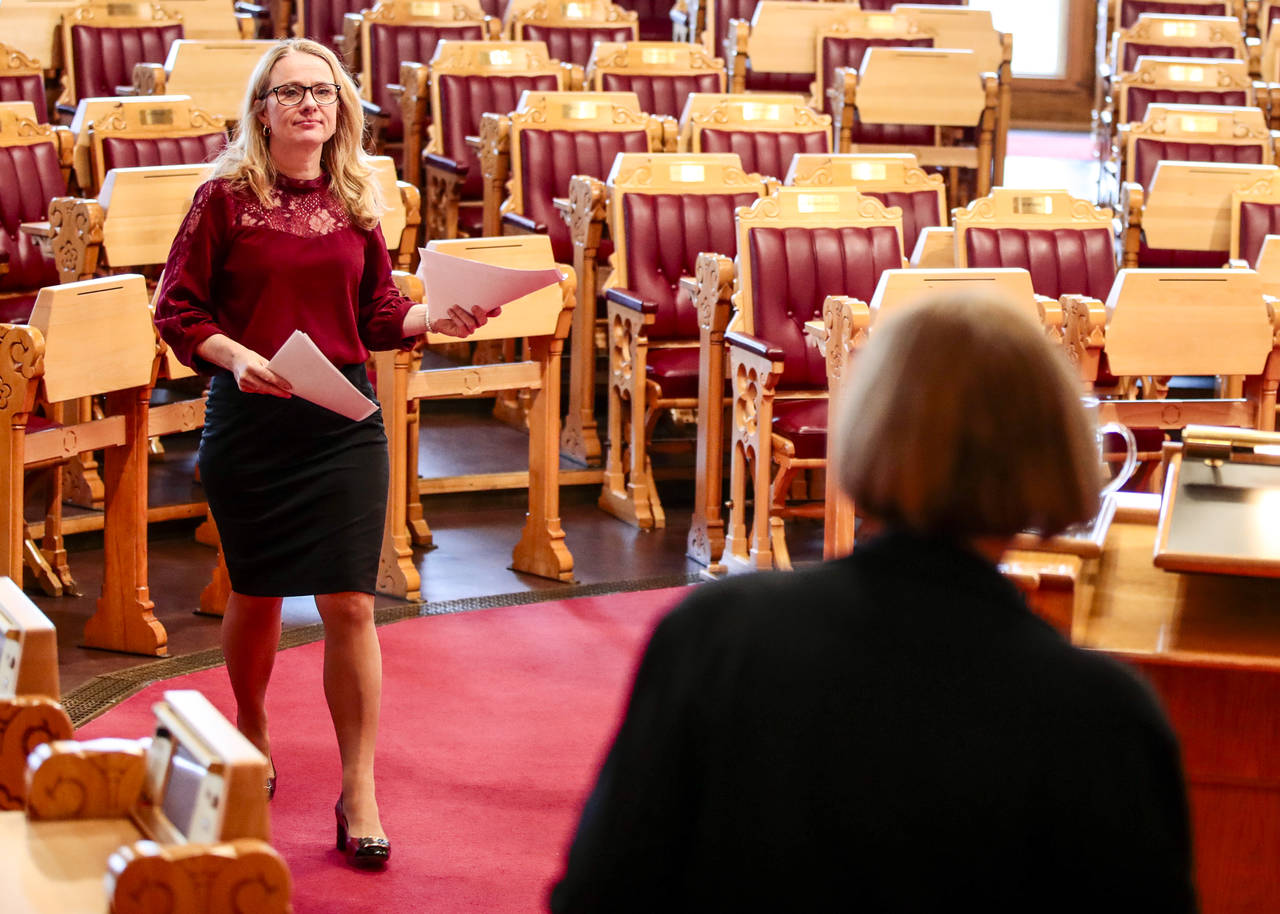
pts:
[266, 131]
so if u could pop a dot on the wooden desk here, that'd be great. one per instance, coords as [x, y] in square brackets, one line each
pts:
[64, 864]
[1210, 645]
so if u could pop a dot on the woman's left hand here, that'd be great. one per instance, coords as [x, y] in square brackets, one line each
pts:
[462, 322]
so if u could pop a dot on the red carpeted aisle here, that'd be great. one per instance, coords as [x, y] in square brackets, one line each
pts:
[493, 726]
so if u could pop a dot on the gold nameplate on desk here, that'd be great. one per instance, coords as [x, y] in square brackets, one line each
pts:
[1185, 74]
[817, 203]
[688, 174]
[1179, 29]
[1040, 206]
[1221, 509]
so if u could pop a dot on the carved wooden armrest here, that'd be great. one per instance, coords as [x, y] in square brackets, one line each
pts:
[95, 779]
[494, 147]
[1132, 199]
[242, 875]
[414, 99]
[409, 284]
[25, 722]
[351, 41]
[1084, 323]
[76, 226]
[629, 315]
[735, 54]
[148, 79]
[588, 206]
[411, 200]
[842, 94]
[625, 298]
[712, 293]
[66, 149]
[1050, 316]
[843, 330]
[281, 16]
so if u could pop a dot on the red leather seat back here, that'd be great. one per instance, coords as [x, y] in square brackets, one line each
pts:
[464, 98]
[322, 19]
[848, 52]
[778, 82]
[765, 152]
[104, 57]
[892, 134]
[29, 178]
[1274, 14]
[654, 18]
[28, 88]
[549, 158]
[1148, 153]
[573, 45]
[1130, 10]
[1133, 51]
[129, 152]
[665, 234]
[794, 269]
[1257, 221]
[389, 45]
[1140, 98]
[1060, 261]
[919, 211]
[661, 94]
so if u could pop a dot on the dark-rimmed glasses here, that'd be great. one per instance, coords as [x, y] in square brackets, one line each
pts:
[291, 94]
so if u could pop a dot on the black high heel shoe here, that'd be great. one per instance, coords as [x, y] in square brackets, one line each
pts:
[362, 852]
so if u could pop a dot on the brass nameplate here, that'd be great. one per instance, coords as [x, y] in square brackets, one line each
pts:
[575, 10]
[1038, 206]
[155, 117]
[1190, 123]
[688, 173]
[868, 171]
[499, 58]
[753, 111]
[881, 23]
[123, 9]
[1185, 74]
[818, 203]
[424, 8]
[658, 55]
[1178, 29]
[579, 111]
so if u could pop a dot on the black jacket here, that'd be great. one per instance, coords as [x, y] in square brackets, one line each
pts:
[890, 732]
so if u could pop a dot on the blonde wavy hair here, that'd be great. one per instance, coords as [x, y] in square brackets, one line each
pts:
[246, 160]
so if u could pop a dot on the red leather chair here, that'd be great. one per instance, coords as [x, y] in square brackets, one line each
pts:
[1066, 244]
[550, 138]
[125, 140]
[571, 31]
[1130, 10]
[662, 74]
[102, 46]
[468, 79]
[393, 33]
[837, 51]
[1184, 134]
[664, 211]
[33, 163]
[895, 179]
[22, 80]
[764, 132]
[794, 249]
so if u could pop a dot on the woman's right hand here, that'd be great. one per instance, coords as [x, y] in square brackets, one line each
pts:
[254, 377]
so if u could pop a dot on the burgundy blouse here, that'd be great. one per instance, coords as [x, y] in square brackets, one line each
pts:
[258, 273]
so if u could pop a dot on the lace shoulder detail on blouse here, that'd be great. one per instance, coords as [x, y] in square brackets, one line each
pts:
[310, 213]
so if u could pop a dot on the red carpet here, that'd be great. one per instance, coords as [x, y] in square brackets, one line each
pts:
[493, 725]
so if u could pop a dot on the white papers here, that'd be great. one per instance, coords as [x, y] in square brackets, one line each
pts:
[451, 280]
[313, 377]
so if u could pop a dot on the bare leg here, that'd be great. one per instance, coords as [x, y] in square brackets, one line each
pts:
[353, 688]
[250, 635]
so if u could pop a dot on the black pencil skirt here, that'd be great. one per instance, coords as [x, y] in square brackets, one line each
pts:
[299, 493]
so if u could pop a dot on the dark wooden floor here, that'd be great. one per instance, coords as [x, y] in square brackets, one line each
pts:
[474, 534]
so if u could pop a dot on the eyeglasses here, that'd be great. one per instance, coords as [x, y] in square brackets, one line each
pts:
[291, 94]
